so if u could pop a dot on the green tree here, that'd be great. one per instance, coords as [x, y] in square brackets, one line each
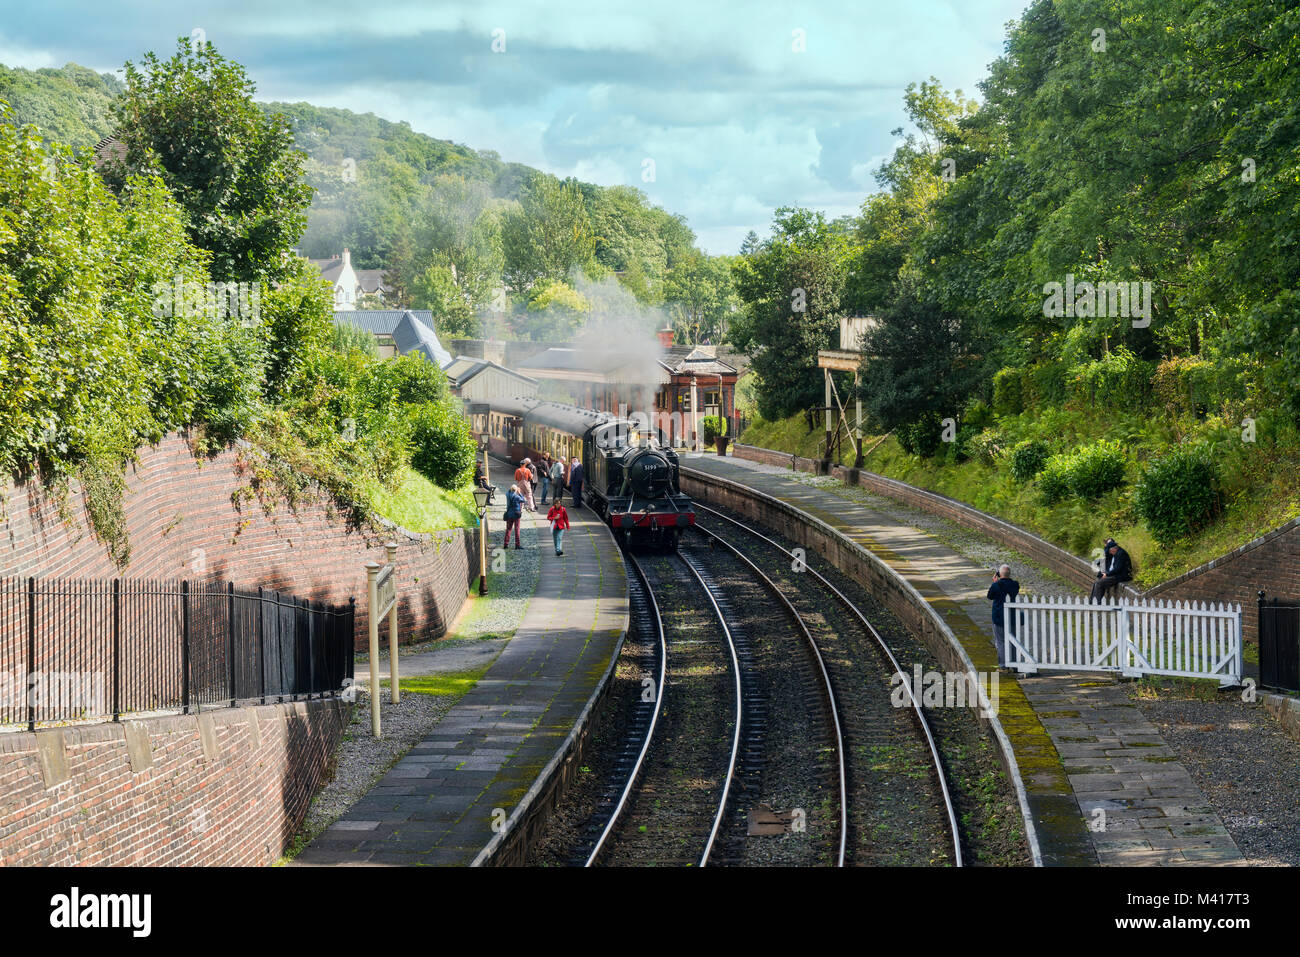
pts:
[549, 236]
[921, 365]
[701, 297]
[790, 287]
[231, 167]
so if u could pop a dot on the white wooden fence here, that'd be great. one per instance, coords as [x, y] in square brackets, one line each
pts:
[1133, 637]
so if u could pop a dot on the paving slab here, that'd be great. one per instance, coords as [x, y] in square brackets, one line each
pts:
[1049, 718]
[439, 804]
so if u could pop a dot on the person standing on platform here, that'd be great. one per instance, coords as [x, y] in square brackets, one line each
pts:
[514, 512]
[557, 478]
[559, 519]
[1004, 589]
[524, 479]
[576, 477]
[544, 476]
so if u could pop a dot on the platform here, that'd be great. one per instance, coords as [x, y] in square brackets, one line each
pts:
[443, 802]
[1082, 747]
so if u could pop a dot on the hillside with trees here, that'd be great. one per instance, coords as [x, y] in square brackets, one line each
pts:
[162, 293]
[478, 240]
[1086, 283]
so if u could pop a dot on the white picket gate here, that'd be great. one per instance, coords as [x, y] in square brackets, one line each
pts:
[1133, 637]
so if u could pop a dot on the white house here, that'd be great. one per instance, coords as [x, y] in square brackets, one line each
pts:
[350, 284]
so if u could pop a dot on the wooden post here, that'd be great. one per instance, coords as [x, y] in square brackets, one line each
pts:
[858, 459]
[394, 692]
[829, 420]
[372, 595]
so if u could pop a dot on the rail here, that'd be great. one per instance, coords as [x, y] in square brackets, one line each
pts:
[917, 711]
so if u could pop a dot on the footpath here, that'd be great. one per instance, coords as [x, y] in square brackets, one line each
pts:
[445, 800]
[1102, 785]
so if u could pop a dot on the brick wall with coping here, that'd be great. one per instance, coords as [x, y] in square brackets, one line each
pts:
[182, 522]
[1270, 562]
[227, 787]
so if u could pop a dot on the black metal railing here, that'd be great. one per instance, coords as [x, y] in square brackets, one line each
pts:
[1279, 643]
[86, 650]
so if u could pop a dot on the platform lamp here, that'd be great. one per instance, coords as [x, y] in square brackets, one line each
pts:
[481, 498]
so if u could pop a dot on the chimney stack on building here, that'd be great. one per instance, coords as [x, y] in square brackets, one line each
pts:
[666, 337]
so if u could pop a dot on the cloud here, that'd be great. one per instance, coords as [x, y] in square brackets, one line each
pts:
[736, 120]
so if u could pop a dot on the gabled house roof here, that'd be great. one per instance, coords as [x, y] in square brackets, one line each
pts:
[382, 322]
[412, 335]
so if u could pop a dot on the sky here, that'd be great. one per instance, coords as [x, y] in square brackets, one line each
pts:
[720, 111]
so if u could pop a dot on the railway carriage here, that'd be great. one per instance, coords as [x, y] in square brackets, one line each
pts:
[632, 472]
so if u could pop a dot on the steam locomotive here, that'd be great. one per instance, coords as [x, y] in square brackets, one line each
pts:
[631, 471]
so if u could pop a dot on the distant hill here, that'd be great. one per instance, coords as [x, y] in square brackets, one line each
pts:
[70, 105]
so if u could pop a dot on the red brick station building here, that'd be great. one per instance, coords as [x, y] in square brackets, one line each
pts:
[676, 388]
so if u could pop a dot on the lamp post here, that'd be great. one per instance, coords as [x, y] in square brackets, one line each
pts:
[481, 497]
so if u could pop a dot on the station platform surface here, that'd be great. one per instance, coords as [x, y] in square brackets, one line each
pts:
[1102, 785]
[442, 802]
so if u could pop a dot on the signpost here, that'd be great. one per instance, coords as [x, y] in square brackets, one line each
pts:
[381, 590]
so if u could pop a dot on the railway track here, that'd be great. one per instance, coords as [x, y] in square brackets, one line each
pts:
[741, 783]
[866, 724]
[725, 637]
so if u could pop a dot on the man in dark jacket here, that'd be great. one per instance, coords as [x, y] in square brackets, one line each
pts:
[1004, 589]
[576, 476]
[1116, 567]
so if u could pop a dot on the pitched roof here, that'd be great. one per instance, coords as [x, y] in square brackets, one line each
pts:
[463, 368]
[412, 335]
[588, 365]
[370, 280]
[702, 360]
[382, 322]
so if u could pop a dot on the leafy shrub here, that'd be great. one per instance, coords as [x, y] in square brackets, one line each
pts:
[985, 446]
[407, 378]
[1120, 380]
[1089, 471]
[713, 426]
[1054, 479]
[977, 415]
[1178, 494]
[1043, 384]
[444, 448]
[1028, 459]
[921, 437]
[1096, 469]
[1008, 398]
[1185, 386]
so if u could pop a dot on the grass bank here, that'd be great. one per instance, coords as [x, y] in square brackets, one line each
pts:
[1260, 481]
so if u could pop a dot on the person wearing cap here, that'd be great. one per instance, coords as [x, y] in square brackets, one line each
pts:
[1116, 567]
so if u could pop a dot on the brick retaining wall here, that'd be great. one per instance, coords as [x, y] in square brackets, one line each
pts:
[182, 523]
[227, 787]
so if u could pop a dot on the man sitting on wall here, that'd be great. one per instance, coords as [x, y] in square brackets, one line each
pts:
[1116, 567]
